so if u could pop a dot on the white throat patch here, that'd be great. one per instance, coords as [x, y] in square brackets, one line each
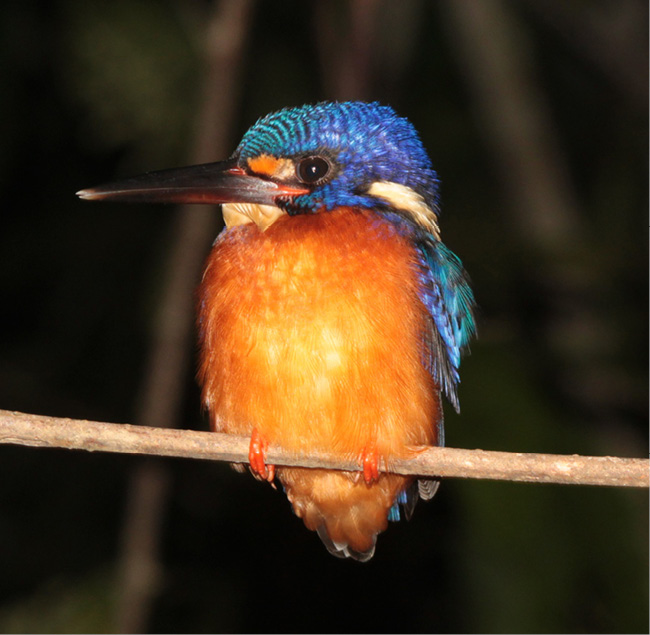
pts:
[243, 213]
[407, 200]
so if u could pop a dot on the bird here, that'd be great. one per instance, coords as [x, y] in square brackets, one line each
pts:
[331, 316]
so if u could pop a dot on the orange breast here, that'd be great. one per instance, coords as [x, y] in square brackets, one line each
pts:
[312, 332]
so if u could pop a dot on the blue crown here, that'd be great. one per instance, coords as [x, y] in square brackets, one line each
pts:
[368, 142]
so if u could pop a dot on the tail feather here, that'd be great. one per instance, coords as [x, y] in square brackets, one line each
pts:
[346, 513]
[427, 488]
[342, 549]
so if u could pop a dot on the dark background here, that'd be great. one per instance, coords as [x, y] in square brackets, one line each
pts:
[535, 116]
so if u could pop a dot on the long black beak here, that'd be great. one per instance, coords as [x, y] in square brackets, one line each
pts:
[211, 183]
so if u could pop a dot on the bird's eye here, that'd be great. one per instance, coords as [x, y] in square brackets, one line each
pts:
[312, 169]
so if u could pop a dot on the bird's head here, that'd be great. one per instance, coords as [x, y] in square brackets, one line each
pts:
[305, 160]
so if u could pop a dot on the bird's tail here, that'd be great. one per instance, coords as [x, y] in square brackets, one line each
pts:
[346, 513]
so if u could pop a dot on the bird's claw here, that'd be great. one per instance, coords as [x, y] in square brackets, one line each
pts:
[370, 460]
[257, 458]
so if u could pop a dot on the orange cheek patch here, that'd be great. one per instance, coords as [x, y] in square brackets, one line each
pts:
[264, 164]
[267, 165]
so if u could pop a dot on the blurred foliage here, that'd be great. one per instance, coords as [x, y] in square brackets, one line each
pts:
[131, 69]
[94, 90]
[61, 606]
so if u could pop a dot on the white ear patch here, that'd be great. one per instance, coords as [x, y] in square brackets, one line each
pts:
[243, 213]
[407, 200]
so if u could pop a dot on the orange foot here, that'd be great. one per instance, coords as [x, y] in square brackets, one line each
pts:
[370, 460]
[257, 458]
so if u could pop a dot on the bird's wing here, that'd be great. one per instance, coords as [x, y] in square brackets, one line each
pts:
[446, 293]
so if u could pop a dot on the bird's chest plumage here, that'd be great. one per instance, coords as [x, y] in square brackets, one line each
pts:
[312, 331]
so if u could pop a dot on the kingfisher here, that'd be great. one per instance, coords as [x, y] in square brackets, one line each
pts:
[331, 316]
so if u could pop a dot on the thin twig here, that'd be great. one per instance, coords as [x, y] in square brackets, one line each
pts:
[614, 42]
[346, 47]
[222, 47]
[498, 65]
[40, 431]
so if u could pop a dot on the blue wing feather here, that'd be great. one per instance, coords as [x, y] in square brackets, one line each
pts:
[446, 293]
[449, 300]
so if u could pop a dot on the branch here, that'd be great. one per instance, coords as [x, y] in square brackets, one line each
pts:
[40, 431]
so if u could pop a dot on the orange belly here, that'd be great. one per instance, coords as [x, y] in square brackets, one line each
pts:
[313, 333]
